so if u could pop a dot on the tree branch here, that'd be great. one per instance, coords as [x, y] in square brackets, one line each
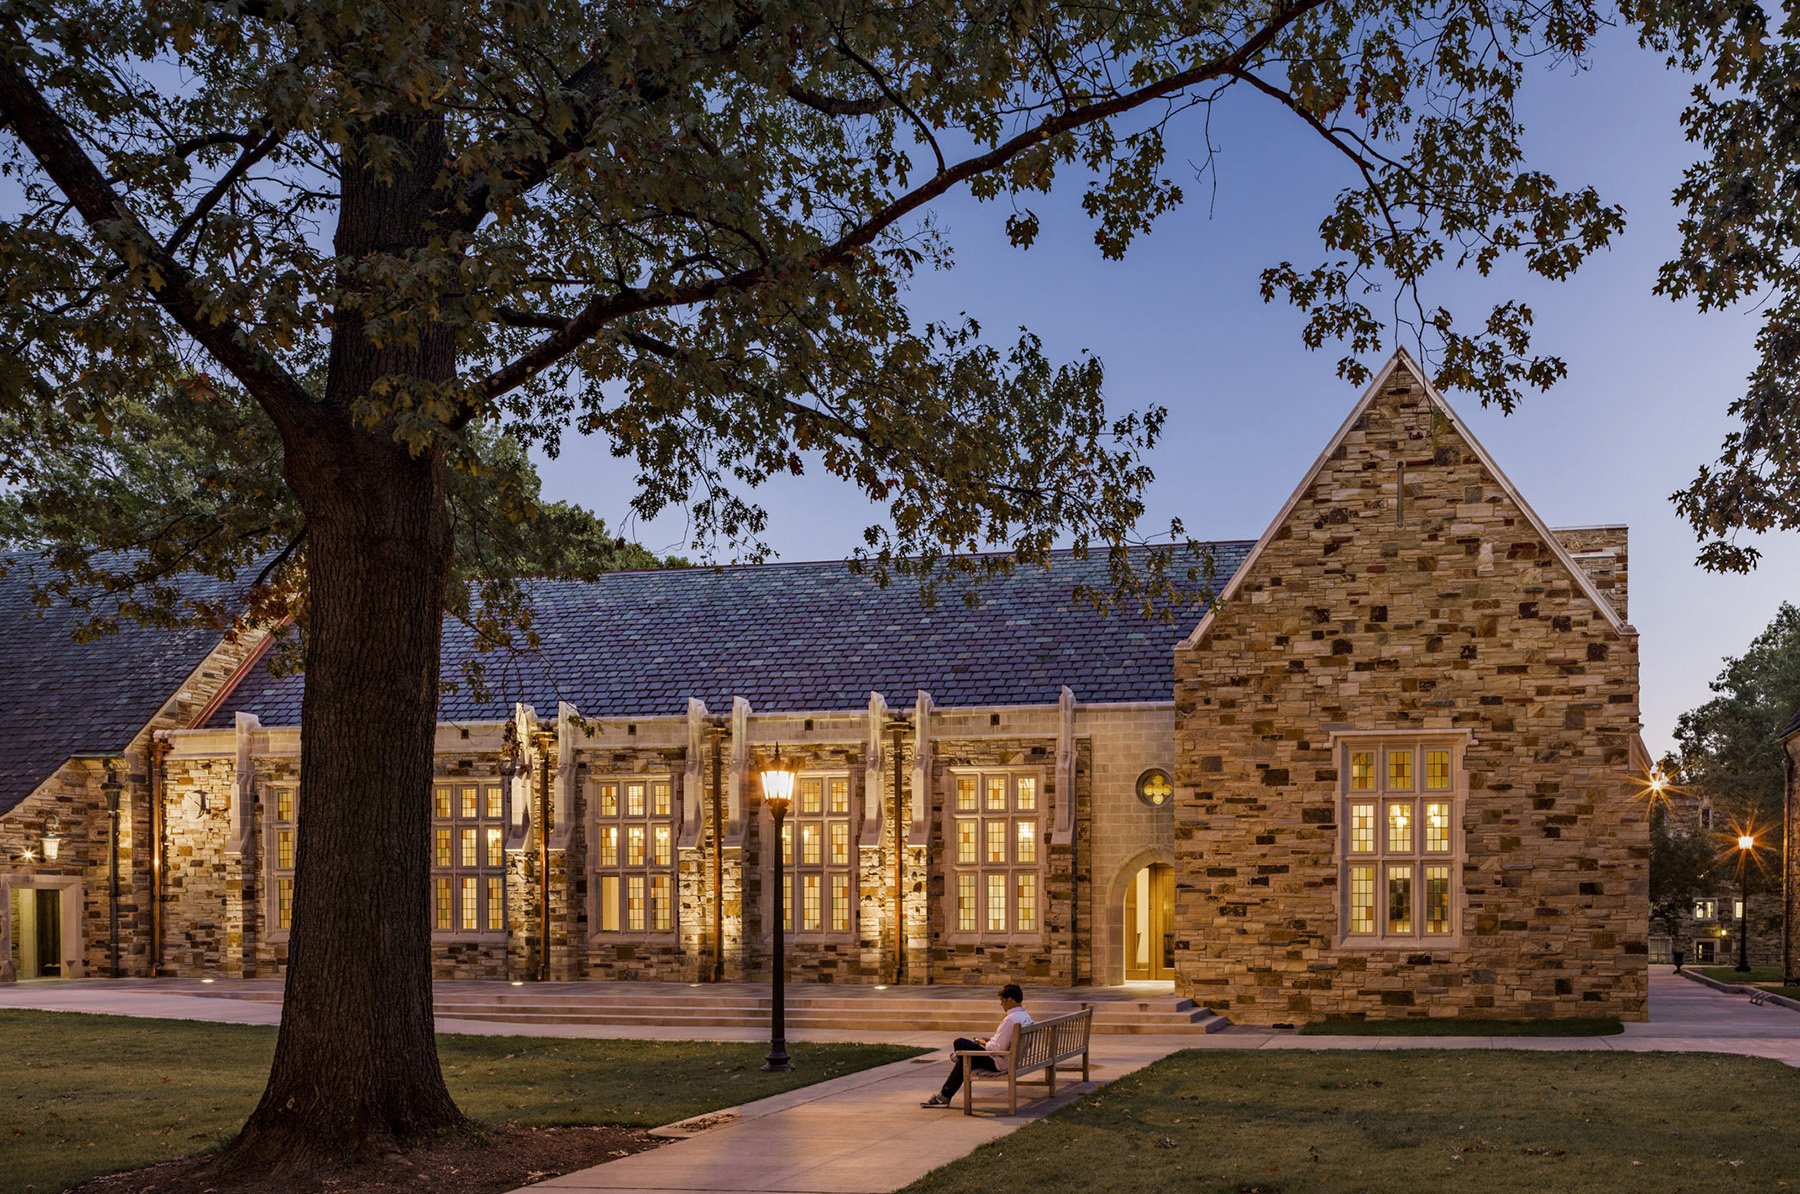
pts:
[25, 110]
[831, 105]
[604, 309]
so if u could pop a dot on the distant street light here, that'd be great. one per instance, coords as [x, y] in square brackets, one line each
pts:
[1746, 843]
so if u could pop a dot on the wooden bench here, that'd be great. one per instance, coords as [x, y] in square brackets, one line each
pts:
[1041, 1045]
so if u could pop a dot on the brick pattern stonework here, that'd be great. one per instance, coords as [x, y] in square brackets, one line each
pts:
[73, 794]
[1406, 590]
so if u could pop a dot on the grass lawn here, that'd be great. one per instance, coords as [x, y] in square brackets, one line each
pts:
[1766, 977]
[89, 1095]
[1476, 1121]
[1457, 1027]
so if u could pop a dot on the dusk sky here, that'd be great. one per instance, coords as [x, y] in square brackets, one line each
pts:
[1179, 323]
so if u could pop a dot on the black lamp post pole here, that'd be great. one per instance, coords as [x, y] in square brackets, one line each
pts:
[1743, 966]
[778, 1058]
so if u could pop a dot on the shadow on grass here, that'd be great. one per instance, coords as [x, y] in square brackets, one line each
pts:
[90, 1095]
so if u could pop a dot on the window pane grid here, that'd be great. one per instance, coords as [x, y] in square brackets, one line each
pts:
[995, 827]
[468, 857]
[818, 897]
[633, 855]
[1400, 830]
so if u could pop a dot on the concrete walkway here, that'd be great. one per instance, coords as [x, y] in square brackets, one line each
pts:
[866, 1132]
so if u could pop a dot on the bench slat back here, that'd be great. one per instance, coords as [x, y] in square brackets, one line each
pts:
[1045, 1041]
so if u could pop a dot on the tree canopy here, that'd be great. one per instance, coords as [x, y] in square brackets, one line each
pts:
[688, 228]
[1728, 744]
[1740, 245]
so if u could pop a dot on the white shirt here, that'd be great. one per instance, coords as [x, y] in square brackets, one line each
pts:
[1002, 1039]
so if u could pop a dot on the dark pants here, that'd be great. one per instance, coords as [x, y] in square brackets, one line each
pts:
[954, 1082]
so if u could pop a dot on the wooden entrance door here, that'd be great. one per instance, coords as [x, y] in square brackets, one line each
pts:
[49, 933]
[1150, 924]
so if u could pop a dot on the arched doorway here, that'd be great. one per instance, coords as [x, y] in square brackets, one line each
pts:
[1150, 924]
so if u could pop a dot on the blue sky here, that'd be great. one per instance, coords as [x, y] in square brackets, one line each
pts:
[1179, 322]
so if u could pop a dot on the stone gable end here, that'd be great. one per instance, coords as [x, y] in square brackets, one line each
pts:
[1406, 591]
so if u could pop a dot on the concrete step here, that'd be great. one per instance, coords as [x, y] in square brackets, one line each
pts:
[741, 1006]
[1202, 1024]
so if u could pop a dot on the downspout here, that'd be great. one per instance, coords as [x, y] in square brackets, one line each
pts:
[1074, 888]
[158, 752]
[899, 859]
[113, 788]
[718, 859]
[543, 969]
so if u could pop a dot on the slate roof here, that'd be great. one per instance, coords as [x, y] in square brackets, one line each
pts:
[802, 637]
[1791, 728]
[60, 698]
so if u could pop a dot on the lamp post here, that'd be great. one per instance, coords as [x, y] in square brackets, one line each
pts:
[778, 789]
[1746, 843]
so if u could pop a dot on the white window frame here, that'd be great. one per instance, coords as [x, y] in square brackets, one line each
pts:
[1354, 837]
[1012, 869]
[1706, 909]
[489, 866]
[795, 868]
[623, 870]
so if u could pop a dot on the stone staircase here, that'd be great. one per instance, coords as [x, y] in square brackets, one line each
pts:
[932, 1009]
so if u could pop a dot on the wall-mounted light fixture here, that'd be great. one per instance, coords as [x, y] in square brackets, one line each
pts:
[53, 838]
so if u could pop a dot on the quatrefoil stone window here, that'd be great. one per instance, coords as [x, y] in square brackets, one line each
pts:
[1154, 788]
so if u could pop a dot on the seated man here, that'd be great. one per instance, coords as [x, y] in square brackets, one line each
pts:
[1012, 1000]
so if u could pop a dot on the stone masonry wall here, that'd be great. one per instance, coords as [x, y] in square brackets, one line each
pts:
[1448, 612]
[74, 795]
[1127, 835]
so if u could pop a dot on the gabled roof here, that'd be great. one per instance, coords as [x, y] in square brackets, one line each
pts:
[799, 637]
[1790, 729]
[1403, 360]
[60, 698]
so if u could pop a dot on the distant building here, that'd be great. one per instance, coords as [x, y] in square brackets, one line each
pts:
[1708, 929]
[1394, 772]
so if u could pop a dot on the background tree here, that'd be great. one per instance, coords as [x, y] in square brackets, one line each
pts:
[1728, 745]
[688, 228]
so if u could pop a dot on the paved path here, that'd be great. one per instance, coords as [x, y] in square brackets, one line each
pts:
[866, 1132]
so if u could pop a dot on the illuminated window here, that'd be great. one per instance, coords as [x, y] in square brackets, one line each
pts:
[1399, 878]
[823, 875]
[496, 904]
[996, 825]
[632, 860]
[282, 838]
[1362, 899]
[468, 856]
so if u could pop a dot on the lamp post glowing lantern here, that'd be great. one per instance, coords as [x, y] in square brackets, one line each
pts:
[1746, 843]
[778, 790]
[53, 841]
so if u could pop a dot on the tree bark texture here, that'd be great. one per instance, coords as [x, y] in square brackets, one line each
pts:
[356, 1071]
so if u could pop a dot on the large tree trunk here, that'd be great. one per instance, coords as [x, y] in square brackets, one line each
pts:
[356, 1071]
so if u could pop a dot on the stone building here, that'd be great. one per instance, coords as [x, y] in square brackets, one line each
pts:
[1394, 771]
